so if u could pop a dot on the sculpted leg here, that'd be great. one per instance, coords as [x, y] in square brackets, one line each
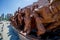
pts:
[40, 27]
[27, 21]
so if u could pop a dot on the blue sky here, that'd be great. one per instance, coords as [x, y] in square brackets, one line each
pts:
[10, 6]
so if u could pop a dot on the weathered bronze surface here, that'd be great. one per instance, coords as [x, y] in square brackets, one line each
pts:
[38, 20]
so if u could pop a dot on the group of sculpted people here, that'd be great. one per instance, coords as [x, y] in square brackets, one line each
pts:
[37, 18]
